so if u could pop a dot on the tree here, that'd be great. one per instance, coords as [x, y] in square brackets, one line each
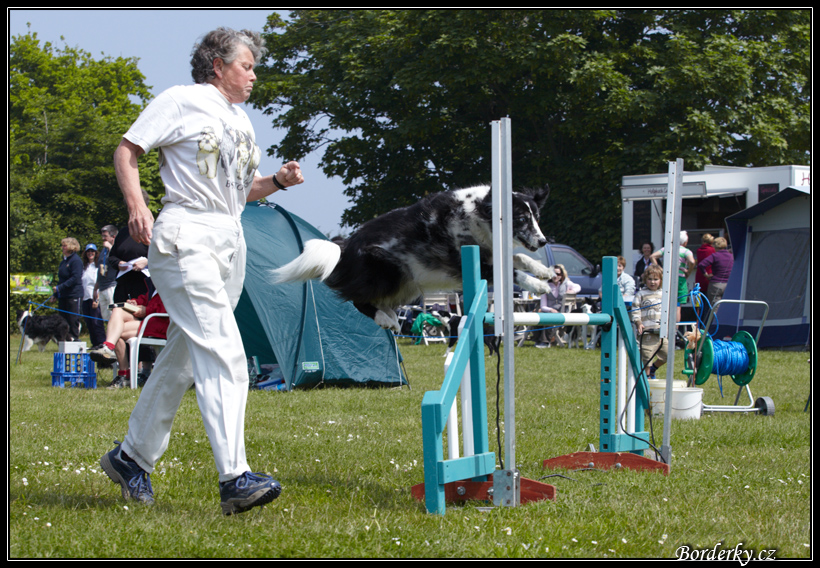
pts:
[67, 113]
[401, 100]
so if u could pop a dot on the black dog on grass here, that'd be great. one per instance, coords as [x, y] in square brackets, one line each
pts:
[39, 330]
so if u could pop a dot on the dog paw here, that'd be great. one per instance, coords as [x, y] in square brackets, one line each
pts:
[538, 287]
[544, 272]
[529, 283]
[529, 264]
[384, 321]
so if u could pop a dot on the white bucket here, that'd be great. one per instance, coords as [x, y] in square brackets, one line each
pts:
[687, 403]
[657, 394]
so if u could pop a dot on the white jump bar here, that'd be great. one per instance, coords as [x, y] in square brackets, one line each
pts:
[527, 318]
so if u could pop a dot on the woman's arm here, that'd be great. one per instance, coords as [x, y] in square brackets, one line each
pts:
[140, 218]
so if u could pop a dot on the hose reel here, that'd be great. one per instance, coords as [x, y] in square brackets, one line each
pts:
[736, 358]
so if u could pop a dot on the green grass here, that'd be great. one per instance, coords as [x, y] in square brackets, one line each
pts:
[347, 458]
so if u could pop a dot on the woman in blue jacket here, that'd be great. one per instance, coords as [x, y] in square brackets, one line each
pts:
[69, 288]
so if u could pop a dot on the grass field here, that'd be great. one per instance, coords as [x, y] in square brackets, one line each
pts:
[347, 458]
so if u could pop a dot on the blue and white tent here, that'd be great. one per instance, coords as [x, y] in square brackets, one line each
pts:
[771, 243]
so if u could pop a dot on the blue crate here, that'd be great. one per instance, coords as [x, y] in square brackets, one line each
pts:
[273, 384]
[62, 380]
[73, 369]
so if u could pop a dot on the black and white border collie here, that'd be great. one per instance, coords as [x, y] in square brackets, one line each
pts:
[39, 330]
[394, 259]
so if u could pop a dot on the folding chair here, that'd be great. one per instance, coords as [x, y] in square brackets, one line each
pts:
[134, 347]
[526, 303]
[442, 301]
[431, 304]
[567, 305]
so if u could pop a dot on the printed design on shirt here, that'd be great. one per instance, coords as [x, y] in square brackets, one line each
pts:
[649, 306]
[236, 152]
[207, 154]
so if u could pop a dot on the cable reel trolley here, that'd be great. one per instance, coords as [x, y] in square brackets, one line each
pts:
[736, 359]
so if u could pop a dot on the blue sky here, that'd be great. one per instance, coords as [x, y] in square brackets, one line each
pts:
[162, 41]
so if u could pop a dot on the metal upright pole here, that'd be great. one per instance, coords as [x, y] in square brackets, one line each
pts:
[671, 264]
[506, 482]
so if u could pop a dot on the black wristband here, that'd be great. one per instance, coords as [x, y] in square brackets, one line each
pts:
[277, 184]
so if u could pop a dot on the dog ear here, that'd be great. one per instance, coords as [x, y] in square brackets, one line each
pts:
[540, 195]
[485, 206]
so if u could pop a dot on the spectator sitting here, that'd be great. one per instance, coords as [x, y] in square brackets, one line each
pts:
[626, 284]
[123, 325]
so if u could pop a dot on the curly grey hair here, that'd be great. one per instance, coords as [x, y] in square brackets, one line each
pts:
[222, 43]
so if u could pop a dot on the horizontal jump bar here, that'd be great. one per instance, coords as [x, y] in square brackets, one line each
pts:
[528, 318]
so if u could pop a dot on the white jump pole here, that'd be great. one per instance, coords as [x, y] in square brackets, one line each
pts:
[466, 405]
[466, 413]
[452, 421]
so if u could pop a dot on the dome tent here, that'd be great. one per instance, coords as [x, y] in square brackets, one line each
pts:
[314, 336]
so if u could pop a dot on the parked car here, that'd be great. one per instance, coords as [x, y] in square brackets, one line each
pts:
[580, 270]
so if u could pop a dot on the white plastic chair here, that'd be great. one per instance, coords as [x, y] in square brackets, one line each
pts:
[134, 348]
[432, 303]
[444, 301]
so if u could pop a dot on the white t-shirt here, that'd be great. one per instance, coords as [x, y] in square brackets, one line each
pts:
[208, 152]
[89, 279]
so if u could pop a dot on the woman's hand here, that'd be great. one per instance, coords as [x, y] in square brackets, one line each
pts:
[290, 174]
[141, 224]
[140, 218]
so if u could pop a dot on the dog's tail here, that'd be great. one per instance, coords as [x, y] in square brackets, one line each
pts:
[317, 260]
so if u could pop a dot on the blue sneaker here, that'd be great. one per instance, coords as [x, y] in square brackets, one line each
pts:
[247, 491]
[134, 481]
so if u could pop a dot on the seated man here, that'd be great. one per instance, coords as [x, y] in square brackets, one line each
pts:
[122, 326]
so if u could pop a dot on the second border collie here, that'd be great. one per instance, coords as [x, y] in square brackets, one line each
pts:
[39, 330]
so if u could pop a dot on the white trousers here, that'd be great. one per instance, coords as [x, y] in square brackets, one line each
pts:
[197, 263]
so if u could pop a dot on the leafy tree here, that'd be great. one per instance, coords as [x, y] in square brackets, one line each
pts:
[67, 113]
[401, 100]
